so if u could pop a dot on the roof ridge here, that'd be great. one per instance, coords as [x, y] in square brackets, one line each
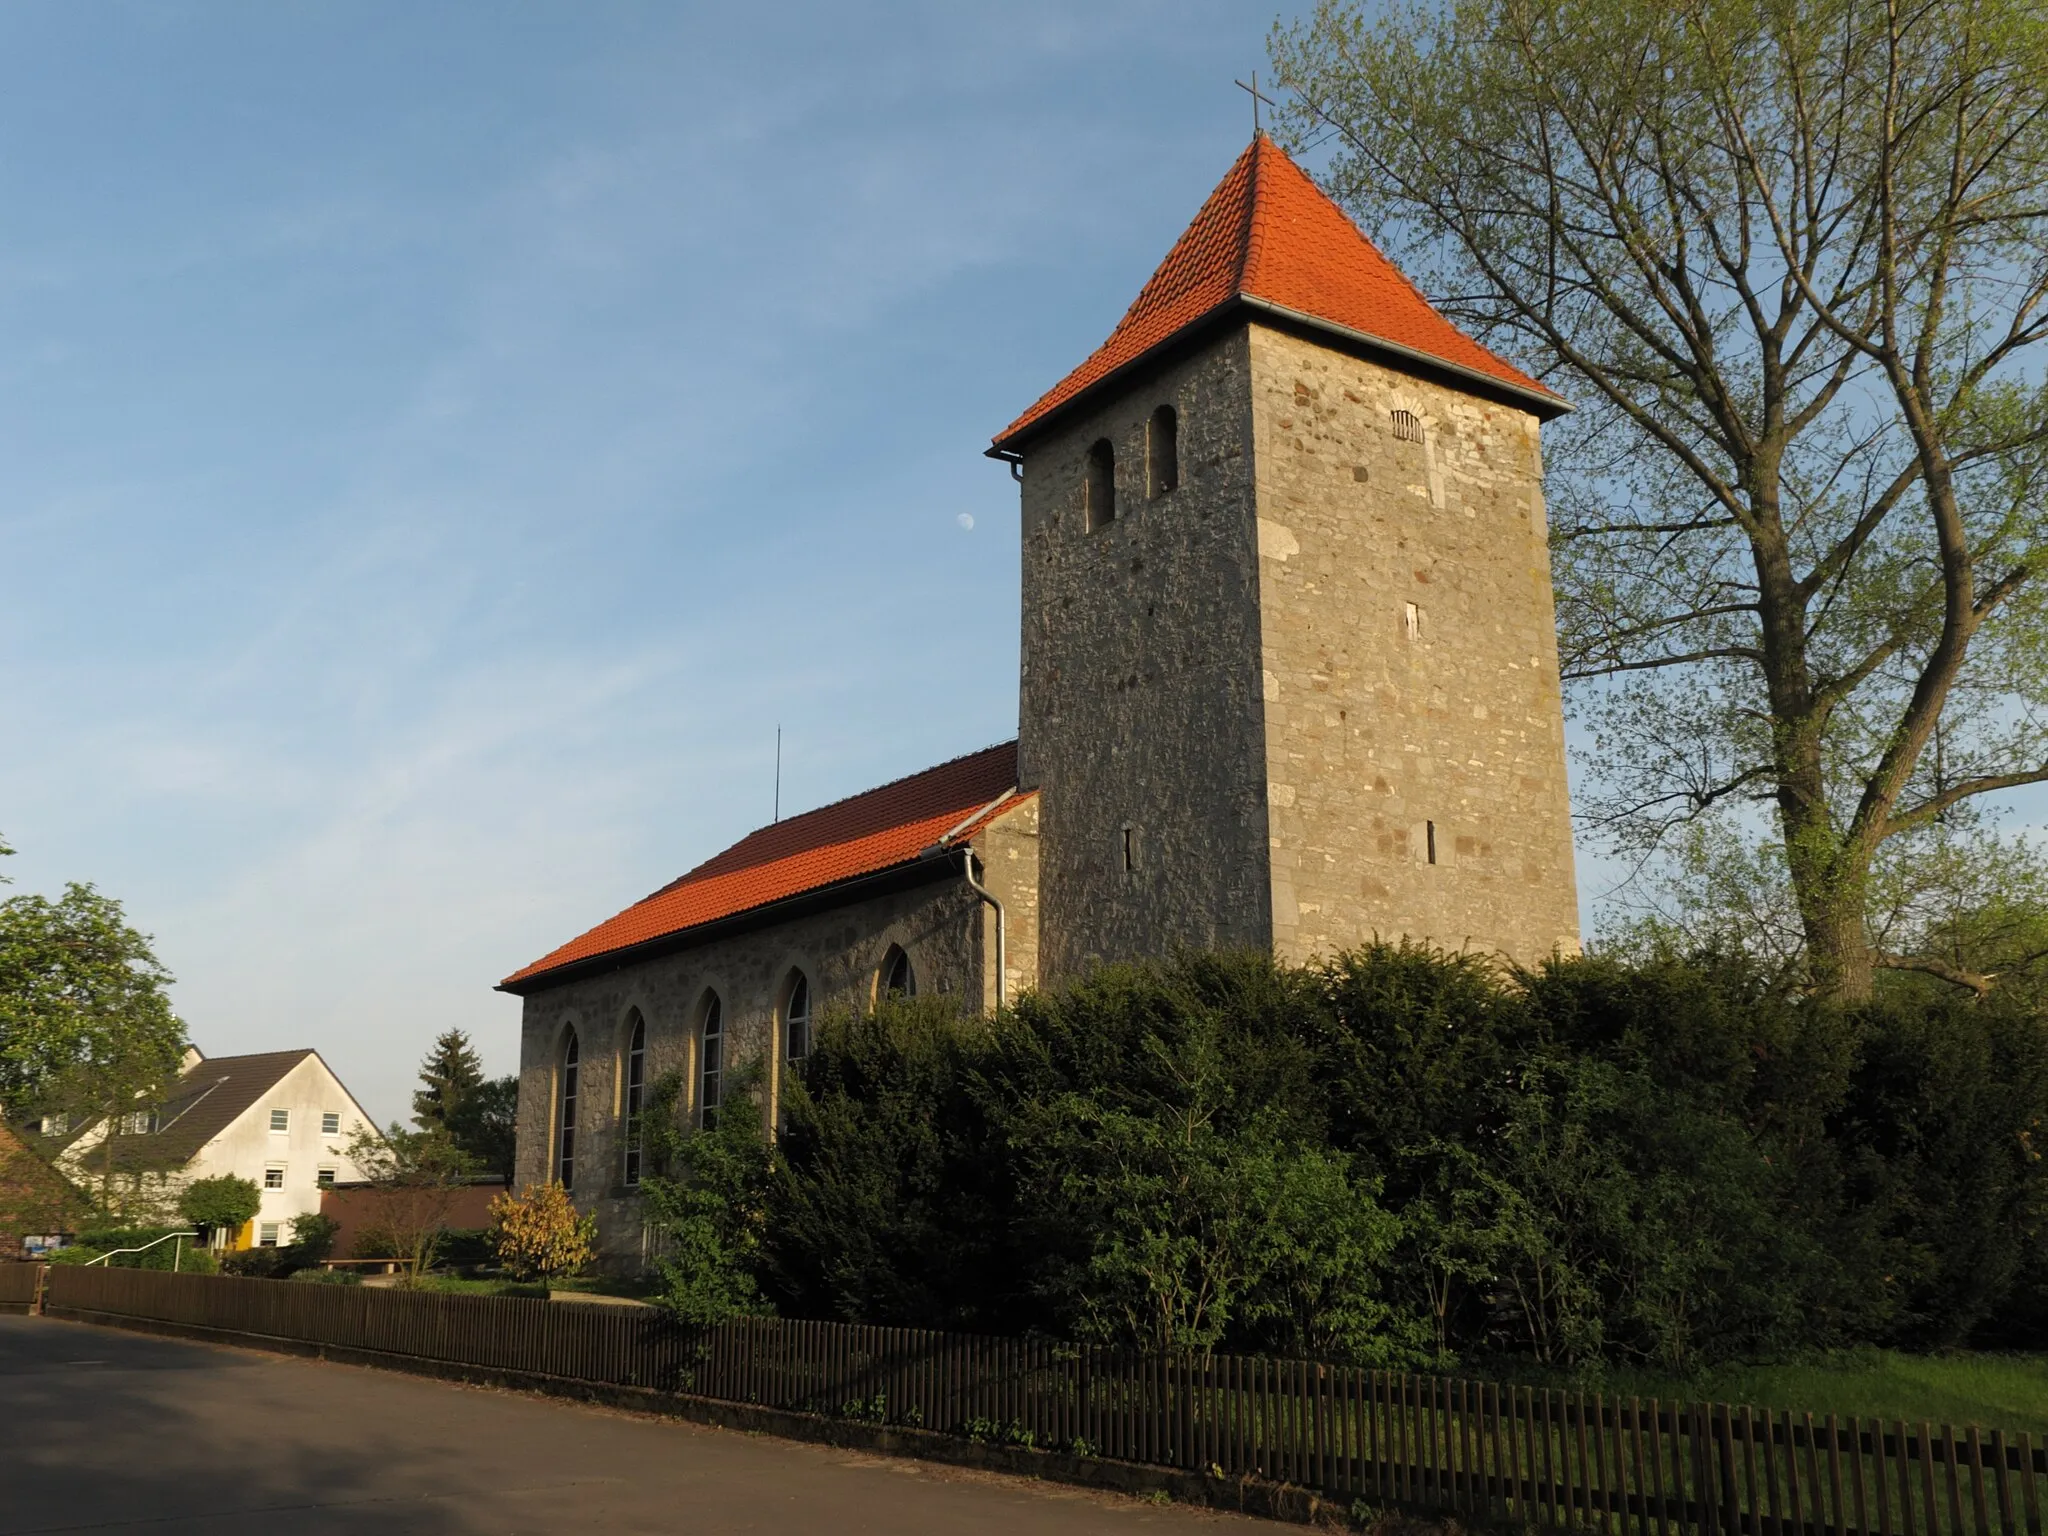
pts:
[217, 1061]
[819, 810]
[1248, 238]
[994, 746]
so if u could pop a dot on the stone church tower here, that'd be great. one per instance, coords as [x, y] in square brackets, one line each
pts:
[1289, 659]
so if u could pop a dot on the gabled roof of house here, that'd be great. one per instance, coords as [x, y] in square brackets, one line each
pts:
[869, 834]
[1270, 239]
[209, 1096]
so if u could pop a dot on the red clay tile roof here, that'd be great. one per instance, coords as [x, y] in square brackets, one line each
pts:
[1271, 235]
[864, 835]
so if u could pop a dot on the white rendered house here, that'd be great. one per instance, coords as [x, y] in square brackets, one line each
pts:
[280, 1119]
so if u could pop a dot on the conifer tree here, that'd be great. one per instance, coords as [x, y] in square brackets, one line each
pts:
[449, 1075]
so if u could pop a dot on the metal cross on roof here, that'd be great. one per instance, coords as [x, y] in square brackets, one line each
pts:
[1257, 97]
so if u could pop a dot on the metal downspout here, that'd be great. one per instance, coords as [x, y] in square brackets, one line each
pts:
[967, 868]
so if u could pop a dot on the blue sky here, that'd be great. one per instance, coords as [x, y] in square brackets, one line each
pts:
[442, 442]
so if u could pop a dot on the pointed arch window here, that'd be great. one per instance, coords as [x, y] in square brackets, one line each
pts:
[1099, 486]
[1162, 452]
[898, 977]
[565, 1112]
[710, 1062]
[636, 1091]
[796, 1018]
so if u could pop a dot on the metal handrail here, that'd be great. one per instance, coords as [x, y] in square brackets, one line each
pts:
[177, 1256]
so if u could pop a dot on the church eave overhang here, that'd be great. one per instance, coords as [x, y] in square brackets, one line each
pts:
[929, 865]
[1540, 403]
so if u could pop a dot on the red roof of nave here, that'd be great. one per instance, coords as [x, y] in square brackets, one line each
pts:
[1271, 235]
[864, 835]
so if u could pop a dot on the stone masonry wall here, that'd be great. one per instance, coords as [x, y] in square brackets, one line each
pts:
[1139, 700]
[1376, 729]
[1008, 850]
[939, 925]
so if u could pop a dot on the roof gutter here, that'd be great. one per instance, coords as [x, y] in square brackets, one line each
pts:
[1541, 401]
[702, 933]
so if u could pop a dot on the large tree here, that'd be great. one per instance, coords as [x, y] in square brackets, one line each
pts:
[86, 1027]
[485, 1125]
[1790, 258]
[474, 1112]
[448, 1075]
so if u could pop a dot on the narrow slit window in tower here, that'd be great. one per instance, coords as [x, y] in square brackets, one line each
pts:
[1162, 451]
[1100, 486]
[1429, 837]
[1130, 849]
[1412, 618]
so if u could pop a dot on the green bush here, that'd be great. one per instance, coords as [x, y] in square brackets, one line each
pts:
[1397, 1157]
[224, 1203]
[192, 1257]
[466, 1248]
[313, 1237]
[327, 1277]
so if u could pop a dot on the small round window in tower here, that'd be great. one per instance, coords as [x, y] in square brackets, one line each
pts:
[1099, 486]
[1162, 451]
[897, 977]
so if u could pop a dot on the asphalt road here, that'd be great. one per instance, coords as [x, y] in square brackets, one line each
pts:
[108, 1431]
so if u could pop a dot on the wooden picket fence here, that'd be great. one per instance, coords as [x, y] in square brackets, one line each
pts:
[18, 1285]
[1492, 1454]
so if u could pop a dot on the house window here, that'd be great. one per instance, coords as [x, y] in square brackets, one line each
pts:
[636, 1088]
[56, 1125]
[330, 1124]
[565, 1115]
[1407, 427]
[280, 1119]
[1162, 451]
[1099, 486]
[710, 1063]
[324, 1178]
[898, 979]
[266, 1235]
[273, 1176]
[796, 1018]
[141, 1123]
